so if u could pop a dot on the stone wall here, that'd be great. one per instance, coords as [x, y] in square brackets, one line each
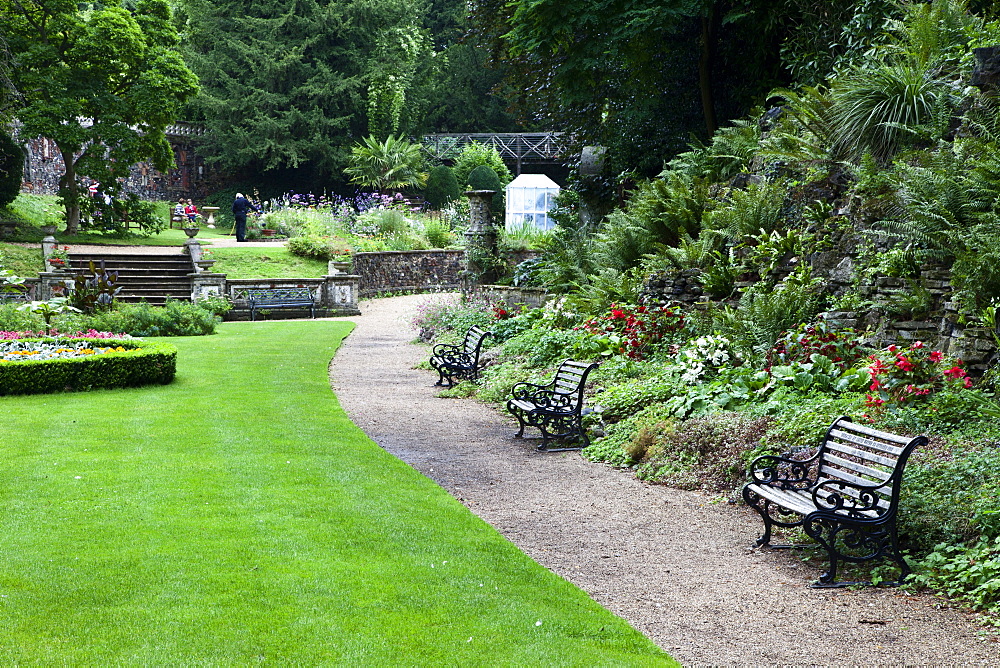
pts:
[512, 298]
[899, 311]
[409, 271]
[190, 177]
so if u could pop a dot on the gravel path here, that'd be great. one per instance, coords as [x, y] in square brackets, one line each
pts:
[673, 563]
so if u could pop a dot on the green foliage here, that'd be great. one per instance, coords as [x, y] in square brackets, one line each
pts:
[476, 154]
[140, 363]
[442, 186]
[872, 106]
[387, 166]
[757, 210]
[620, 445]
[318, 247]
[484, 177]
[11, 169]
[662, 213]
[728, 154]
[177, 318]
[704, 452]
[970, 574]
[764, 314]
[949, 495]
[103, 83]
[542, 347]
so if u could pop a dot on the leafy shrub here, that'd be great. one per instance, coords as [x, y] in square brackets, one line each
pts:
[438, 234]
[706, 452]
[906, 375]
[842, 347]
[620, 445]
[442, 187]
[485, 177]
[967, 574]
[176, 318]
[633, 331]
[475, 154]
[949, 495]
[319, 247]
[619, 401]
[542, 347]
[495, 381]
[12, 319]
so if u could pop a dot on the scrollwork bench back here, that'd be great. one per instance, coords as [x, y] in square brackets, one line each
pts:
[845, 497]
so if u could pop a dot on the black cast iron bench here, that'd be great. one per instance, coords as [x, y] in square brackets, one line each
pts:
[845, 497]
[268, 298]
[555, 409]
[461, 361]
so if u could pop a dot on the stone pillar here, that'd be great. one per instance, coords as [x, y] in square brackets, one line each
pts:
[48, 242]
[482, 260]
[986, 73]
[340, 293]
[204, 284]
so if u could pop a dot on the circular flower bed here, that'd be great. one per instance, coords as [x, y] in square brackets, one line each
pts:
[53, 364]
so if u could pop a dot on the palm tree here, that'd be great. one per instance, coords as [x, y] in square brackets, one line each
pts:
[387, 166]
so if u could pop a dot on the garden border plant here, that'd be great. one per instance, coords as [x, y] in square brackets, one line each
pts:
[133, 363]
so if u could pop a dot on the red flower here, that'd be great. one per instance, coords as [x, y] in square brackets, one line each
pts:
[918, 345]
[904, 364]
[955, 373]
[936, 356]
[967, 383]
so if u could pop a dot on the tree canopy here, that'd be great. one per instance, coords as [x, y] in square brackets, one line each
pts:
[101, 81]
[293, 84]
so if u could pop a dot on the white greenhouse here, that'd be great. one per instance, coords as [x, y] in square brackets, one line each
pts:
[530, 197]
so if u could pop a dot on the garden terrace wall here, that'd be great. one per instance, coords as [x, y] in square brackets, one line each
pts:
[511, 298]
[409, 271]
[334, 295]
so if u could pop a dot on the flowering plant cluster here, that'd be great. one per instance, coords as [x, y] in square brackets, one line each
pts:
[633, 331]
[58, 256]
[500, 313]
[17, 351]
[89, 334]
[902, 375]
[842, 347]
[703, 355]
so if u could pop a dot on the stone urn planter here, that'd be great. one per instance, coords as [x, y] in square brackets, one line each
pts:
[48, 230]
[334, 267]
[268, 233]
[191, 232]
[210, 211]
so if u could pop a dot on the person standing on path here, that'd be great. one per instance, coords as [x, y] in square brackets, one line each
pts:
[241, 207]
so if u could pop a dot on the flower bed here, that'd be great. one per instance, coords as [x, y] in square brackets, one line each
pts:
[53, 364]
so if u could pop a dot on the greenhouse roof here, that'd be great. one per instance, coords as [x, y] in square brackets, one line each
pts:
[532, 181]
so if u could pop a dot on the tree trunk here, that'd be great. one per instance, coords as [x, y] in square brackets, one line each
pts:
[707, 44]
[69, 191]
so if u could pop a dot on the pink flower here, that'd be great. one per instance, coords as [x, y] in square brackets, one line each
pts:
[936, 356]
[918, 345]
[904, 364]
[955, 373]
[892, 349]
[968, 383]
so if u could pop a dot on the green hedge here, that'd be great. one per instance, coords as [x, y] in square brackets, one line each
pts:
[142, 363]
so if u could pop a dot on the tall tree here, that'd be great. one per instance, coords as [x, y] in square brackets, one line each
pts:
[637, 76]
[293, 84]
[100, 81]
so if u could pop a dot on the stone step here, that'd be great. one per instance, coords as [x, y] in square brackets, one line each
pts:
[143, 277]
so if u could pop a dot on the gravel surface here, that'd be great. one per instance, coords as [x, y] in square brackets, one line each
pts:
[675, 564]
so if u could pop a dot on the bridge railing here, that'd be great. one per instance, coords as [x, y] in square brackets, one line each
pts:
[514, 147]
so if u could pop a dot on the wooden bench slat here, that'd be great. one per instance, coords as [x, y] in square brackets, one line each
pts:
[861, 454]
[861, 469]
[866, 442]
[874, 433]
[830, 472]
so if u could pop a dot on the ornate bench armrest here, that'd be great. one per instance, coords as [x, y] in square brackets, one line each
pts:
[829, 495]
[525, 390]
[445, 348]
[782, 472]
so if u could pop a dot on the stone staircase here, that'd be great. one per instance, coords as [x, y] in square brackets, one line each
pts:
[144, 277]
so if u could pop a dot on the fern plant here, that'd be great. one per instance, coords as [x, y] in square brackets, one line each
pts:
[758, 209]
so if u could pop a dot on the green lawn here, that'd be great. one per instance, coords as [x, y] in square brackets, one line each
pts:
[237, 516]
